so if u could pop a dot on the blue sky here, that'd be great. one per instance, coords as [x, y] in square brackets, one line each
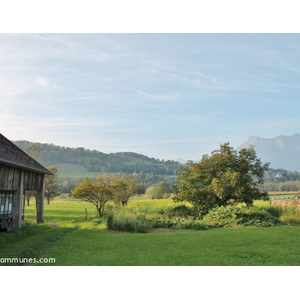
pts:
[167, 96]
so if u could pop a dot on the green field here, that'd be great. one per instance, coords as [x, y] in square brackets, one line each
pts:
[74, 241]
[73, 171]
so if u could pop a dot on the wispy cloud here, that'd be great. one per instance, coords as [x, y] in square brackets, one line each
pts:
[142, 92]
[169, 97]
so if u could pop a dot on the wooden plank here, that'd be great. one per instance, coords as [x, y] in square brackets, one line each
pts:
[27, 183]
[2, 177]
[32, 181]
[40, 184]
[10, 178]
[17, 204]
[6, 178]
[16, 182]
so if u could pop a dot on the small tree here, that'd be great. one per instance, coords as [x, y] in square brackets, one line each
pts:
[124, 188]
[28, 195]
[149, 191]
[225, 177]
[51, 185]
[97, 192]
[160, 189]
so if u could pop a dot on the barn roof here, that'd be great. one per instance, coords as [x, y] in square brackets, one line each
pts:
[12, 155]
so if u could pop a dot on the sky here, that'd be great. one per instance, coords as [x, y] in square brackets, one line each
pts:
[164, 95]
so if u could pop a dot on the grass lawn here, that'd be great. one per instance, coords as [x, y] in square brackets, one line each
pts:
[74, 241]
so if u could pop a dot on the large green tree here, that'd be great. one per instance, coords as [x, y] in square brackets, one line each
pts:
[225, 177]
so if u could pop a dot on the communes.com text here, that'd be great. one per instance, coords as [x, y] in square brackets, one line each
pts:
[23, 260]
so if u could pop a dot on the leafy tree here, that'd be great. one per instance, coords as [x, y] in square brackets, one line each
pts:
[149, 191]
[124, 188]
[51, 185]
[98, 192]
[160, 189]
[226, 177]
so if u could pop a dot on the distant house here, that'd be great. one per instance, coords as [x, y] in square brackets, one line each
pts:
[18, 173]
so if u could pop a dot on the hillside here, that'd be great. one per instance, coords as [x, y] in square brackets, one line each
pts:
[80, 161]
[282, 151]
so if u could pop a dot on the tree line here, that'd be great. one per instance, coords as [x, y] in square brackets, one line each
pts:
[96, 161]
[281, 175]
[287, 186]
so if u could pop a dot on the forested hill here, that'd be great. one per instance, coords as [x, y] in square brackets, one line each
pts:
[96, 161]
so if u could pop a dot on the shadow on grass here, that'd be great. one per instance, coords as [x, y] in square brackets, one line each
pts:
[29, 241]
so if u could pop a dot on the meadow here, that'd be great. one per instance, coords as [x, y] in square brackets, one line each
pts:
[73, 240]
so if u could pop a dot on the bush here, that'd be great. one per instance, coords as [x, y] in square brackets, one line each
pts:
[177, 224]
[291, 215]
[121, 223]
[179, 211]
[247, 216]
[275, 211]
[193, 225]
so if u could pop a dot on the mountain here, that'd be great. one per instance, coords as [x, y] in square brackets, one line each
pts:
[181, 160]
[282, 151]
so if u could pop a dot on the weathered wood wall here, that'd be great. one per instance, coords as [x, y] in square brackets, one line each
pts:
[19, 181]
[10, 179]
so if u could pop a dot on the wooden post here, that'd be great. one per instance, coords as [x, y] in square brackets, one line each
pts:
[18, 204]
[40, 201]
[86, 215]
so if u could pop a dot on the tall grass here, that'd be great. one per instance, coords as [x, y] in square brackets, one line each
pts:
[121, 223]
[287, 214]
[149, 206]
[291, 215]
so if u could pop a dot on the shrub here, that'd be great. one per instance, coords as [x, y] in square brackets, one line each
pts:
[193, 225]
[163, 223]
[177, 223]
[246, 216]
[275, 211]
[291, 215]
[179, 211]
[121, 223]
[110, 220]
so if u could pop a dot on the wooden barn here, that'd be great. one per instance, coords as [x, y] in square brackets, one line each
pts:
[18, 173]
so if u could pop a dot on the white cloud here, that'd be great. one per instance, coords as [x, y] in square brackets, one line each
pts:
[135, 89]
[41, 81]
